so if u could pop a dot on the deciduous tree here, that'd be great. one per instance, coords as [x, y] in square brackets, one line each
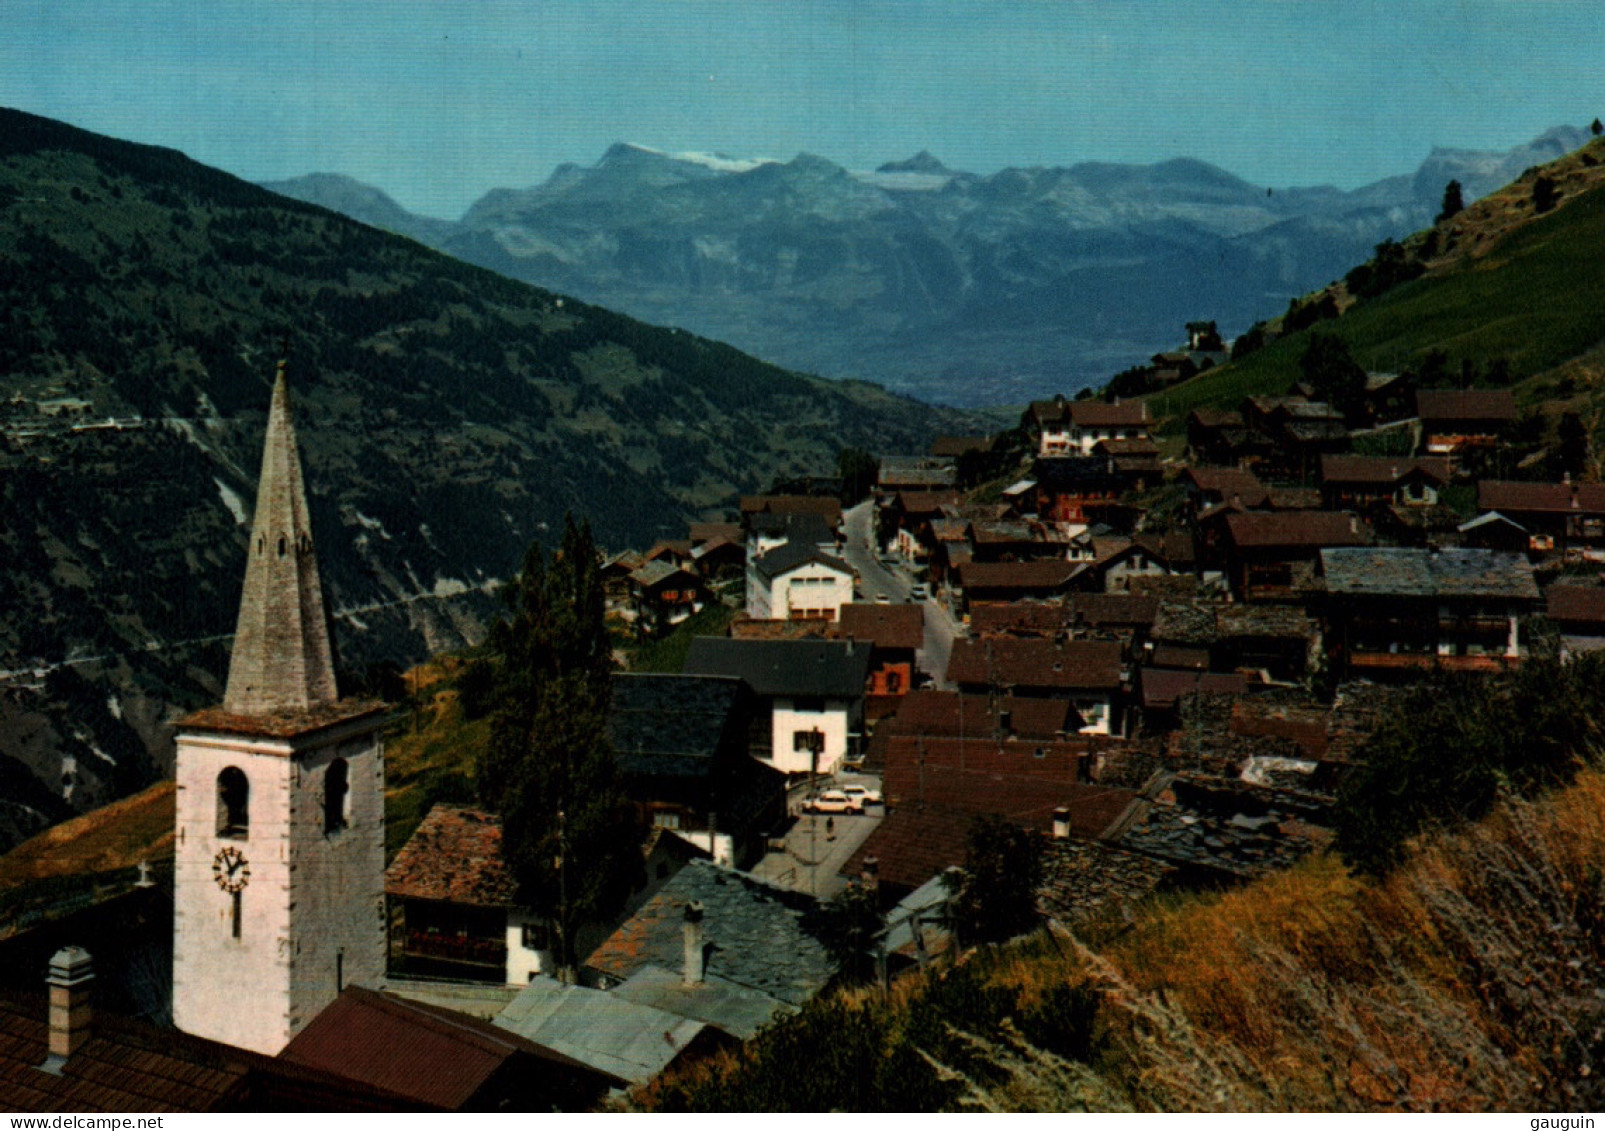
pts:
[994, 896]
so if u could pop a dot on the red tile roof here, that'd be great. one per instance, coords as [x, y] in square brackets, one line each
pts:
[455, 856]
[1018, 576]
[1482, 406]
[1294, 530]
[1381, 470]
[826, 507]
[128, 1065]
[1036, 663]
[1508, 497]
[1229, 483]
[437, 1057]
[1096, 414]
[1577, 604]
[884, 626]
[952, 713]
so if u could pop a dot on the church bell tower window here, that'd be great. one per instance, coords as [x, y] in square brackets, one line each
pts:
[233, 804]
[336, 796]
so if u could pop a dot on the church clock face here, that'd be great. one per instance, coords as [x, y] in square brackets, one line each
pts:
[230, 869]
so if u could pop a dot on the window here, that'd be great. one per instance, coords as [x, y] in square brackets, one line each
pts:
[894, 682]
[339, 970]
[662, 820]
[235, 915]
[808, 740]
[810, 703]
[336, 796]
[535, 936]
[233, 804]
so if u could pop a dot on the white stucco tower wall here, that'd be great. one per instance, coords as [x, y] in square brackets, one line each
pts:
[278, 885]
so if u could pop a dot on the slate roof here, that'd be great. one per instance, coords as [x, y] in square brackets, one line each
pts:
[811, 528]
[454, 856]
[674, 725]
[1221, 826]
[794, 555]
[624, 1039]
[834, 669]
[1414, 572]
[916, 471]
[1484, 406]
[1121, 610]
[726, 1006]
[759, 936]
[1293, 530]
[436, 1056]
[1380, 470]
[1546, 498]
[1577, 604]
[658, 571]
[1036, 663]
[884, 626]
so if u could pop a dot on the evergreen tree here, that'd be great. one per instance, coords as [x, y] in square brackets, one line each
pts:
[994, 897]
[1336, 377]
[1573, 445]
[850, 927]
[1545, 194]
[549, 770]
[858, 471]
[1597, 127]
[1453, 202]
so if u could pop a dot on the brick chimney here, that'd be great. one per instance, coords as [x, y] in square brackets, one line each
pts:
[71, 979]
[695, 956]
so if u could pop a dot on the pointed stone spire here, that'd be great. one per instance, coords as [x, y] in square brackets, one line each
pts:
[282, 662]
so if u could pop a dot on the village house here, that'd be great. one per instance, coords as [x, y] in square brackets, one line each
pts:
[682, 743]
[717, 945]
[1366, 483]
[664, 594]
[798, 581]
[826, 507]
[1453, 420]
[894, 633]
[452, 900]
[904, 521]
[914, 473]
[1078, 491]
[1090, 674]
[1578, 610]
[981, 583]
[810, 695]
[1062, 427]
[1269, 556]
[617, 594]
[1401, 609]
[1301, 430]
[1566, 514]
[766, 532]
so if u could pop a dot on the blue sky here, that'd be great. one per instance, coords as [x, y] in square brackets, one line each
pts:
[438, 102]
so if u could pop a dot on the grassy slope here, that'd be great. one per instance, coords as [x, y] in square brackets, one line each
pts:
[1522, 287]
[1470, 980]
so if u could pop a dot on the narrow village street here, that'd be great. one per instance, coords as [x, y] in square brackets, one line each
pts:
[892, 581]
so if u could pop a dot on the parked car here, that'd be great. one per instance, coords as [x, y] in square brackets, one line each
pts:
[921, 592]
[831, 801]
[862, 795]
[882, 599]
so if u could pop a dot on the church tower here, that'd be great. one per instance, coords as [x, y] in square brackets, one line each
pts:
[279, 873]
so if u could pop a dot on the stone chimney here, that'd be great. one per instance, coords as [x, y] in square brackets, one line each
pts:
[872, 873]
[1061, 824]
[71, 978]
[695, 955]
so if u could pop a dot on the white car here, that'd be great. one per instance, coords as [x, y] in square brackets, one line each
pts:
[831, 801]
[882, 599]
[862, 795]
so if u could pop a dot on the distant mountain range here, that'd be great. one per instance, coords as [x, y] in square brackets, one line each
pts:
[951, 287]
[448, 417]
